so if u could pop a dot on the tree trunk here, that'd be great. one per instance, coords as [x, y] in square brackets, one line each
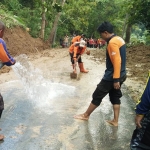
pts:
[52, 33]
[54, 28]
[124, 27]
[42, 32]
[128, 33]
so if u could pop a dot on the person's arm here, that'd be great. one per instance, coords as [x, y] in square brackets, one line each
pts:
[138, 119]
[143, 105]
[114, 54]
[5, 57]
[75, 52]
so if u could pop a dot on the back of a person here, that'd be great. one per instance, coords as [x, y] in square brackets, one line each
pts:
[119, 42]
[71, 48]
[76, 39]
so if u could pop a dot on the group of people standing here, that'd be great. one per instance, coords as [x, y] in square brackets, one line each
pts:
[90, 42]
[95, 43]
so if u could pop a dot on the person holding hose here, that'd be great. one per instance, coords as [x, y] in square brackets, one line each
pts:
[75, 51]
[5, 59]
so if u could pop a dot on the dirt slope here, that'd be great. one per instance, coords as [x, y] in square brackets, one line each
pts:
[138, 58]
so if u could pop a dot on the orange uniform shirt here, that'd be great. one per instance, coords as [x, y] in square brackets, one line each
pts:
[76, 50]
[76, 39]
[114, 53]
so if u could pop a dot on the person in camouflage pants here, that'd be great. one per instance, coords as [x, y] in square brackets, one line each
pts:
[141, 135]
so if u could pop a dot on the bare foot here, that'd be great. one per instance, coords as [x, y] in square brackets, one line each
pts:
[81, 117]
[1, 137]
[112, 122]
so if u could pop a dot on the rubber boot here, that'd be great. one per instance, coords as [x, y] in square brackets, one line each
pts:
[82, 68]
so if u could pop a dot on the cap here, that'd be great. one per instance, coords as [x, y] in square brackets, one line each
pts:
[82, 43]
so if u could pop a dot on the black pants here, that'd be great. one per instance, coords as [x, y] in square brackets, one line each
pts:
[107, 87]
[72, 60]
[1, 105]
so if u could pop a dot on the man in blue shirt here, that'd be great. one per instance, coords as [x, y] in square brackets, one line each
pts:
[141, 135]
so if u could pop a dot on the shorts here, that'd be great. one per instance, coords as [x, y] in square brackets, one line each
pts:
[107, 87]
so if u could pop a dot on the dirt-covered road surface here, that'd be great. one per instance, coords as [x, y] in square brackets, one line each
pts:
[41, 100]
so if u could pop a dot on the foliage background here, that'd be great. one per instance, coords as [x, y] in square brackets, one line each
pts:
[77, 17]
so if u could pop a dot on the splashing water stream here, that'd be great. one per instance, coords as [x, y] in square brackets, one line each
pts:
[39, 90]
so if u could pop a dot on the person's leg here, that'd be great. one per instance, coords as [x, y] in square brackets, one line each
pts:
[81, 66]
[115, 96]
[86, 115]
[114, 121]
[1, 110]
[101, 91]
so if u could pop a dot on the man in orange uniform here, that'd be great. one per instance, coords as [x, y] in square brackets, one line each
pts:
[114, 76]
[5, 59]
[75, 51]
[77, 38]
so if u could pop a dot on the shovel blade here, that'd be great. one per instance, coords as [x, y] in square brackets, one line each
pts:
[73, 75]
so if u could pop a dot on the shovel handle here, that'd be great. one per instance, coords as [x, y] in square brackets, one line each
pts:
[74, 66]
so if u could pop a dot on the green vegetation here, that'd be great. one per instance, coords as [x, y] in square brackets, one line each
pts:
[10, 19]
[53, 19]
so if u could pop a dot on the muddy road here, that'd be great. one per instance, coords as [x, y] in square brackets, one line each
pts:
[41, 100]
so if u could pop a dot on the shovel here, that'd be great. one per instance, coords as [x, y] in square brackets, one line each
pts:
[73, 75]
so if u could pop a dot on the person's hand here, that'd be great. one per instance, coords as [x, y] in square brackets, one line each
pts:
[88, 52]
[138, 120]
[117, 85]
[75, 60]
[14, 62]
[78, 57]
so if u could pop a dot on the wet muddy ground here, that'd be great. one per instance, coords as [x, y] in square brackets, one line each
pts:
[41, 100]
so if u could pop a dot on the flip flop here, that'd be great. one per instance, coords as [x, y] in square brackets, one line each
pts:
[81, 117]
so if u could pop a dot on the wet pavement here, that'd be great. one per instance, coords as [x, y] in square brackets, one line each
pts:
[39, 110]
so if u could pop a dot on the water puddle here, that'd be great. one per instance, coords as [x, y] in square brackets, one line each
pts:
[40, 91]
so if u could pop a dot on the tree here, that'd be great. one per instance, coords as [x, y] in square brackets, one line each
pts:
[43, 20]
[55, 24]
